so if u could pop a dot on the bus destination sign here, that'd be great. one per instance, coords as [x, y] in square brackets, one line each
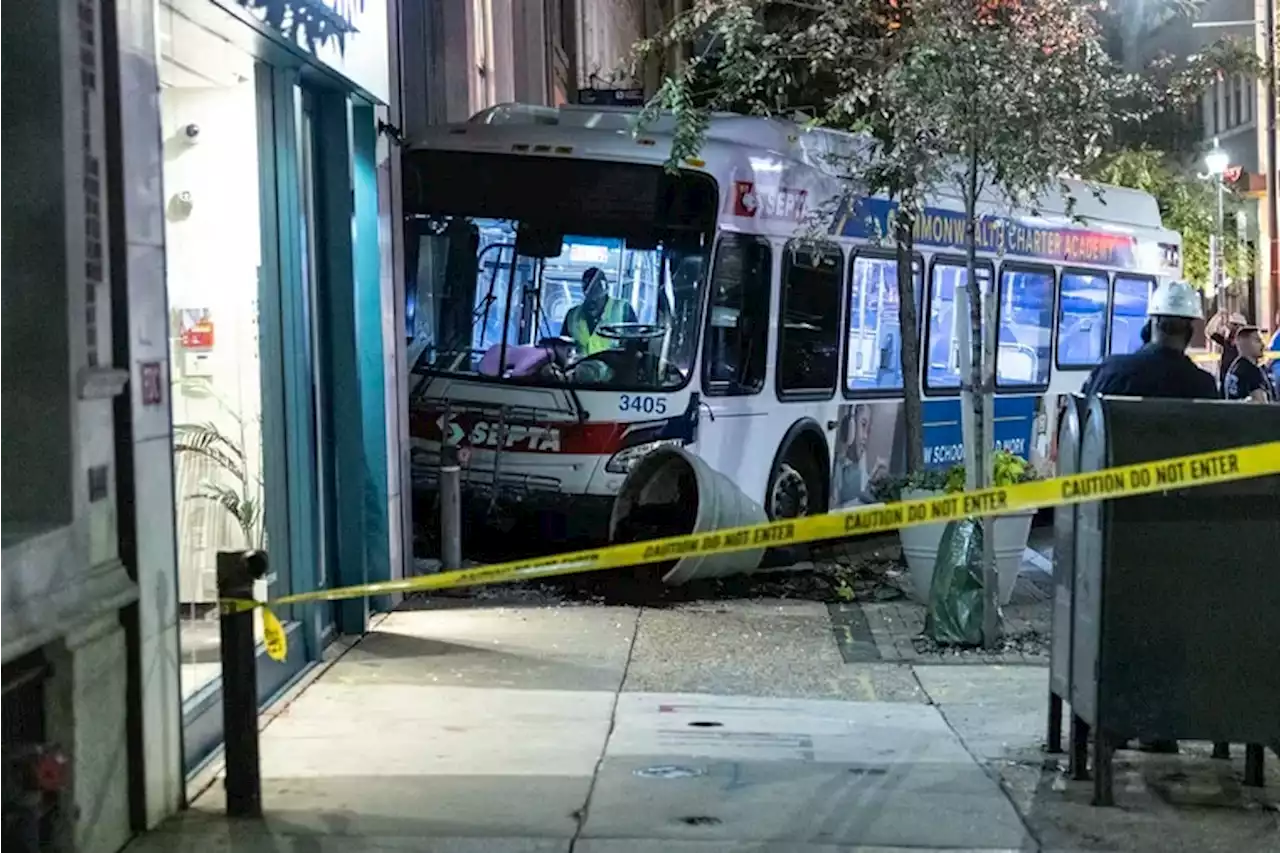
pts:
[998, 235]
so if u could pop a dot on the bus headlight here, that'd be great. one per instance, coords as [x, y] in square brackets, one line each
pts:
[623, 461]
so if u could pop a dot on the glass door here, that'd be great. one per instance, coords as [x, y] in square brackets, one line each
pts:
[228, 264]
[210, 117]
[321, 368]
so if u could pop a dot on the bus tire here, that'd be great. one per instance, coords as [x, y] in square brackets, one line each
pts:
[797, 485]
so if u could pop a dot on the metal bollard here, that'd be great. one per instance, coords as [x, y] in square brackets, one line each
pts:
[450, 509]
[1254, 773]
[237, 571]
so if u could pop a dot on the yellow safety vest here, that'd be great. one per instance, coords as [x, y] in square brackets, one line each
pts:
[615, 311]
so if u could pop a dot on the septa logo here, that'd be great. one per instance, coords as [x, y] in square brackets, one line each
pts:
[745, 202]
[782, 203]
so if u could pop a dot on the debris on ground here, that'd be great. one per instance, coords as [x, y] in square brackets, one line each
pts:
[836, 573]
[1029, 642]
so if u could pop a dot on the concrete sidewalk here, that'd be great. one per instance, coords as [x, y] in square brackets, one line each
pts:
[730, 726]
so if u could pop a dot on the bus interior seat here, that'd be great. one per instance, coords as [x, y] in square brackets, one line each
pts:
[1018, 363]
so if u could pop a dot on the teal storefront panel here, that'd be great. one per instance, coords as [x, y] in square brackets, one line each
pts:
[352, 350]
[370, 346]
[320, 329]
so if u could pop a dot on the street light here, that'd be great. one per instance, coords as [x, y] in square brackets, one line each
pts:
[1217, 162]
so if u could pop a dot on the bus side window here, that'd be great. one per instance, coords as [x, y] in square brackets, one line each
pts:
[1025, 326]
[941, 354]
[733, 356]
[1082, 318]
[1128, 313]
[873, 361]
[809, 334]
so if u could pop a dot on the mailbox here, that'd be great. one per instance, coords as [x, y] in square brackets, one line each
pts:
[1064, 574]
[1174, 629]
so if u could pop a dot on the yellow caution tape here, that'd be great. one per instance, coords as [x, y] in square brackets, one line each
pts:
[273, 636]
[1180, 472]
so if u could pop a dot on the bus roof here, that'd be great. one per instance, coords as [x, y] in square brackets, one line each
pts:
[772, 158]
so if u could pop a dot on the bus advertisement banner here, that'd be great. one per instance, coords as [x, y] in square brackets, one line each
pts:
[871, 440]
[1001, 235]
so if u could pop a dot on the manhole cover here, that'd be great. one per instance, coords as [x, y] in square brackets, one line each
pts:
[706, 724]
[669, 771]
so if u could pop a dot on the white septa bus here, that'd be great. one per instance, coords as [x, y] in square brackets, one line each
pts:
[766, 347]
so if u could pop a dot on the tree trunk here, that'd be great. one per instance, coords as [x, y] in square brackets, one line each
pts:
[979, 389]
[909, 331]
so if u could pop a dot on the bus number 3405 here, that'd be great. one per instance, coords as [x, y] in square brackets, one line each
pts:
[642, 403]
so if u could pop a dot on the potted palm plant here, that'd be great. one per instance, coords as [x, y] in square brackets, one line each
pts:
[920, 543]
[236, 490]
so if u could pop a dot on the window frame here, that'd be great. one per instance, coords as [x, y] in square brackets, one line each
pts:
[717, 388]
[1023, 266]
[1111, 299]
[809, 394]
[917, 262]
[956, 261]
[1109, 275]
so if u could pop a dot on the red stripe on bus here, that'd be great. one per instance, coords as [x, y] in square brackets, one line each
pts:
[469, 430]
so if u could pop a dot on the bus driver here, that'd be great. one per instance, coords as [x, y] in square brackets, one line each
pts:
[598, 308]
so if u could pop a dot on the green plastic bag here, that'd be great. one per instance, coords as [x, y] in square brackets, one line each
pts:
[955, 597]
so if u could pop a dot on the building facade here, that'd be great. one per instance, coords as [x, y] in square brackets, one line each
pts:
[277, 272]
[200, 294]
[1234, 112]
[204, 348]
[462, 56]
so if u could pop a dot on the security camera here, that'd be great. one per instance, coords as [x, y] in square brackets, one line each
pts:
[191, 133]
[180, 206]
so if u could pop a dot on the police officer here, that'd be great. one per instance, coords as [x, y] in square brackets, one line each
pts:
[1222, 329]
[1246, 378]
[1161, 367]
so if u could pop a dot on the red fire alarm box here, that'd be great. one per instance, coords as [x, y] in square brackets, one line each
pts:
[196, 331]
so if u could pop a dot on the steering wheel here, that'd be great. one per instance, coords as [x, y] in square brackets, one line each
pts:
[630, 331]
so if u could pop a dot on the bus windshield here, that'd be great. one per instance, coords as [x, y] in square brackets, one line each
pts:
[598, 313]
[598, 286]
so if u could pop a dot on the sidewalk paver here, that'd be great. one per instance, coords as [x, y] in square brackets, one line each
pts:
[563, 647]
[733, 727]
[1165, 804]
[766, 647]
[800, 771]
[999, 712]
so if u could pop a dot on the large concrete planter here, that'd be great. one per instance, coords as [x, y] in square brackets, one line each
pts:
[699, 498]
[920, 548]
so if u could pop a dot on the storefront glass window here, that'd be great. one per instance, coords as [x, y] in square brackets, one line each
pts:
[209, 114]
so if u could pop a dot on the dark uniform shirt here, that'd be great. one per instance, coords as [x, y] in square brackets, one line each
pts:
[1229, 354]
[1153, 371]
[1243, 378]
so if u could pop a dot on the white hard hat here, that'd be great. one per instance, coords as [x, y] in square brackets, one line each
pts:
[1175, 299]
